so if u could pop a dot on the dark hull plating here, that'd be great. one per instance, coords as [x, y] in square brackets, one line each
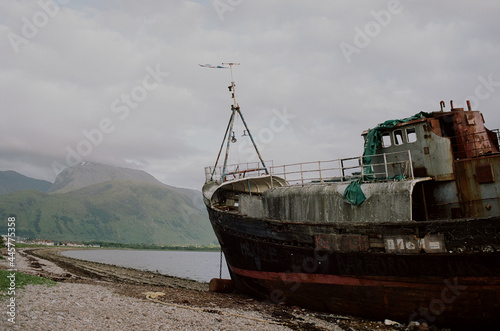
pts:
[283, 262]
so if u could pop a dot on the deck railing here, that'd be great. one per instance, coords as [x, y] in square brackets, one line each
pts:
[382, 167]
[236, 171]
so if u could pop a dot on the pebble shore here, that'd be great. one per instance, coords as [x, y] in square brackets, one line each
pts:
[68, 306]
[80, 302]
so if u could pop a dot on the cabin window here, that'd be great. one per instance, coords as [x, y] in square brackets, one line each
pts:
[411, 135]
[398, 137]
[386, 139]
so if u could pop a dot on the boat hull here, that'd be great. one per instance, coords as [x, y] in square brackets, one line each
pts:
[284, 262]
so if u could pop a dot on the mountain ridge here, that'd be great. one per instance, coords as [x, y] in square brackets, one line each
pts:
[115, 211]
[86, 173]
[12, 181]
[94, 202]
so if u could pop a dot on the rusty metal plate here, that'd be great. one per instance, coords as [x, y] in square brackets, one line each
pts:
[402, 244]
[342, 242]
[471, 119]
[457, 213]
[433, 243]
[484, 174]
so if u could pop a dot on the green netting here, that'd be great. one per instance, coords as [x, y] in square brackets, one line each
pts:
[353, 192]
[374, 137]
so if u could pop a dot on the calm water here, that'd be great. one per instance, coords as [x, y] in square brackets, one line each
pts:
[200, 266]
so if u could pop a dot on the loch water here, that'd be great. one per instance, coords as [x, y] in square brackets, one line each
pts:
[195, 265]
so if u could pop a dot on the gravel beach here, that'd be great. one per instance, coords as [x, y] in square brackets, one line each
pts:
[94, 296]
[69, 306]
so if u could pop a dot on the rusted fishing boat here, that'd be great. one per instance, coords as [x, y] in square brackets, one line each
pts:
[408, 231]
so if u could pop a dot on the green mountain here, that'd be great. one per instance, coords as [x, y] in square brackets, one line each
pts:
[11, 181]
[96, 202]
[114, 211]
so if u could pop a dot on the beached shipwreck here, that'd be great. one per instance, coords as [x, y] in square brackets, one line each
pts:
[408, 231]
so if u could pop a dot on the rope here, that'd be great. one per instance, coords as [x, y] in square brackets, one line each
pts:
[208, 311]
[220, 264]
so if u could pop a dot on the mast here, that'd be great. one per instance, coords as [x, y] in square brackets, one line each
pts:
[230, 135]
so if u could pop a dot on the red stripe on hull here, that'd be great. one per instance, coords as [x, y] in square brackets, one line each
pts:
[492, 283]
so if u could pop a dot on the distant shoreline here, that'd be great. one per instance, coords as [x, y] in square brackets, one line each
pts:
[147, 247]
[110, 272]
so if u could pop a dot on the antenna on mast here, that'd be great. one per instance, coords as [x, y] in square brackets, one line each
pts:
[232, 87]
[230, 134]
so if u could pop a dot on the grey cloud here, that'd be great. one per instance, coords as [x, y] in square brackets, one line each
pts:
[65, 81]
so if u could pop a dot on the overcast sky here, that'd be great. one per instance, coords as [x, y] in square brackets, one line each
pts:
[119, 82]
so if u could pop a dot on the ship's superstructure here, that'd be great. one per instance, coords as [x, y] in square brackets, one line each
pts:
[408, 231]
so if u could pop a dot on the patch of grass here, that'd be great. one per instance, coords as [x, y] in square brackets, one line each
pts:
[21, 281]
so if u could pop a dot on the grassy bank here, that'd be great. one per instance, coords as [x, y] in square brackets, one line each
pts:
[20, 280]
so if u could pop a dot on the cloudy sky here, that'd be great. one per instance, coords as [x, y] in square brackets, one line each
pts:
[119, 82]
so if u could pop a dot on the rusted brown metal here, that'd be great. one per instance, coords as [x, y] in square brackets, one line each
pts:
[476, 185]
[484, 174]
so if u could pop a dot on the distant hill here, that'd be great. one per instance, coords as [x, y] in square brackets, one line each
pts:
[95, 202]
[11, 181]
[85, 174]
[114, 211]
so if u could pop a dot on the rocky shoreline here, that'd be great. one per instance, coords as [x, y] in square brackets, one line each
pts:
[91, 295]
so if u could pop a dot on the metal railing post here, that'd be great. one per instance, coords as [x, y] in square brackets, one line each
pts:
[341, 168]
[301, 175]
[385, 165]
[319, 169]
[362, 169]
[411, 164]
[271, 175]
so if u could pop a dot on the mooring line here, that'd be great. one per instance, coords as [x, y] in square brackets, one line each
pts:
[148, 298]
